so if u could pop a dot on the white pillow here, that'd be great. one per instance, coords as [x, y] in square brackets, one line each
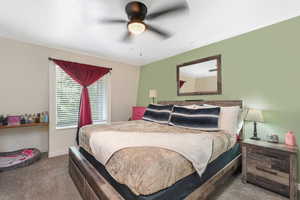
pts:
[230, 119]
[241, 119]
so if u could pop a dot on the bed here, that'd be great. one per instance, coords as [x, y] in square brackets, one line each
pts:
[96, 180]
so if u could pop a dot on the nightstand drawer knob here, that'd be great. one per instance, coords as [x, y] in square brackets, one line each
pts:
[267, 171]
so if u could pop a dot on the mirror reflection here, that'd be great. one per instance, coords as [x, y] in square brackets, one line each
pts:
[199, 77]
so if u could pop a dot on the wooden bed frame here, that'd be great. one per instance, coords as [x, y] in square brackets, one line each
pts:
[93, 186]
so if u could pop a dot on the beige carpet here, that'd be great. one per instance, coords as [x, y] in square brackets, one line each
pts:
[48, 179]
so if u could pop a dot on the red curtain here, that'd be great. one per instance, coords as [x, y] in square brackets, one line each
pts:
[85, 75]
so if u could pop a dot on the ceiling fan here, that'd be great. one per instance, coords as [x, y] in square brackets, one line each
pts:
[137, 13]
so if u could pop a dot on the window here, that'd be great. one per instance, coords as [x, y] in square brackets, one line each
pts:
[68, 94]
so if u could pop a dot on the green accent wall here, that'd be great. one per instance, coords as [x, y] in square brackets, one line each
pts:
[261, 67]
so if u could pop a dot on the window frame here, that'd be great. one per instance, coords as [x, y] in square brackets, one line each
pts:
[107, 106]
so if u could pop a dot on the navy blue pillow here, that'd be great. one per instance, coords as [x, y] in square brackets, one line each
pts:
[206, 119]
[158, 113]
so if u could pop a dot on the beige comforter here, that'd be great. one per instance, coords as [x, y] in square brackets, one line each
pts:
[146, 170]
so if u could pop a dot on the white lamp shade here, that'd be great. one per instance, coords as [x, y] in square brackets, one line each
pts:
[152, 93]
[254, 115]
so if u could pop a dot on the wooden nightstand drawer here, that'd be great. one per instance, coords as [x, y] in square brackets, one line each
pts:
[269, 184]
[269, 159]
[268, 173]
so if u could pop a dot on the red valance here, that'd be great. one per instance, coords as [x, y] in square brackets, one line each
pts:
[85, 75]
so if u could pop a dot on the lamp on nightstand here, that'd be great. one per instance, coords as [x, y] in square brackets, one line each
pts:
[254, 115]
[152, 94]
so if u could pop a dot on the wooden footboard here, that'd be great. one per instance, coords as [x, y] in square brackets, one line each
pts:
[90, 184]
[206, 189]
[93, 186]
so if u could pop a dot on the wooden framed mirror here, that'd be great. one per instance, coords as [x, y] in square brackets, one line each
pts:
[200, 77]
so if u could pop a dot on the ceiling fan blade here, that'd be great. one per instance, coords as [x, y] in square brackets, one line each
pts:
[127, 37]
[113, 21]
[158, 31]
[166, 11]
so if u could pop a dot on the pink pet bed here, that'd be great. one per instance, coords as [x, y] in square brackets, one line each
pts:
[20, 158]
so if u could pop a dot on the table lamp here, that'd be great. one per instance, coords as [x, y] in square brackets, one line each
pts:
[254, 115]
[152, 94]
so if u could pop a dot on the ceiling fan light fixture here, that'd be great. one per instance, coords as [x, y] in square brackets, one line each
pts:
[137, 12]
[136, 27]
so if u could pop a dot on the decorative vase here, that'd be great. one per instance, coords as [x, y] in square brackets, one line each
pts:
[290, 139]
[46, 117]
[22, 121]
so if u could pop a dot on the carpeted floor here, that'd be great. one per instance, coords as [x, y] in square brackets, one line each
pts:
[48, 179]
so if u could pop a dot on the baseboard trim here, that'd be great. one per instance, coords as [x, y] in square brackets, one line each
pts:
[57, 153]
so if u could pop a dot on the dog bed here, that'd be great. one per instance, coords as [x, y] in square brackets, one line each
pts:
[20, 158]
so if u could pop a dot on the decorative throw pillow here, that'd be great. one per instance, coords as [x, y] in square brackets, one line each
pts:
[158, 113]
[202, 118]
[138, 112]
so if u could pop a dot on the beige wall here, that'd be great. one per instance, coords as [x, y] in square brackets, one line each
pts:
[24, 88]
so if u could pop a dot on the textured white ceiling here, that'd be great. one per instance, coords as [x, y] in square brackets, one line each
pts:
[74, 25]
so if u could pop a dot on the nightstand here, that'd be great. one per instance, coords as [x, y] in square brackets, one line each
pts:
[271, 166]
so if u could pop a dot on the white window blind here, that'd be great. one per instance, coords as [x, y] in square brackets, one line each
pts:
[68, 99]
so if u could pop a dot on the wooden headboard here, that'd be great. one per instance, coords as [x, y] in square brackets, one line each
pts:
[224, 103]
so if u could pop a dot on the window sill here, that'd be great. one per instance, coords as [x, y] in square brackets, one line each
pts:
[75, 127]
